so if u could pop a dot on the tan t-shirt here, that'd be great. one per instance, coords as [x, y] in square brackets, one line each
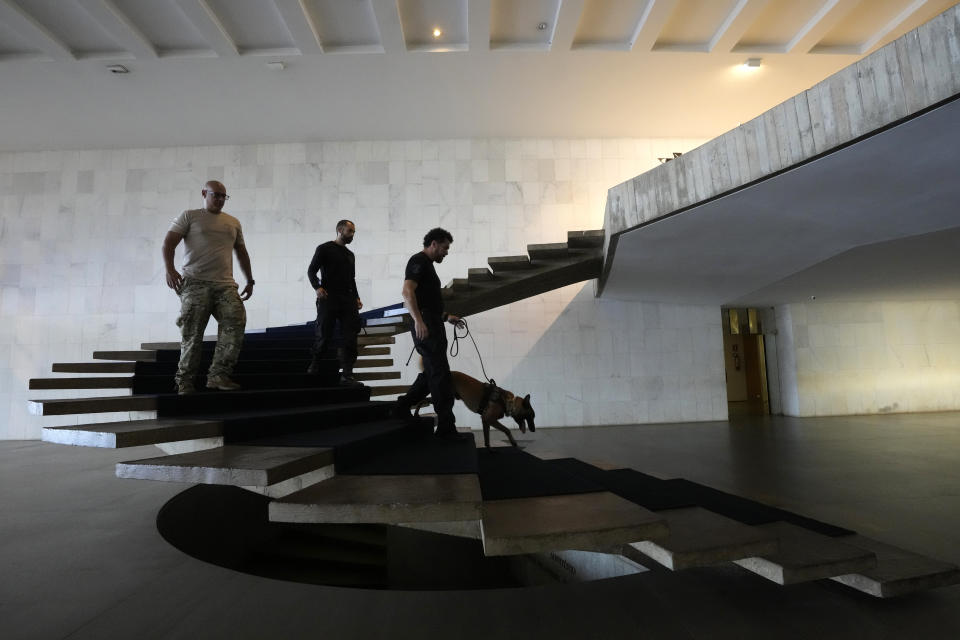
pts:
[209, 239]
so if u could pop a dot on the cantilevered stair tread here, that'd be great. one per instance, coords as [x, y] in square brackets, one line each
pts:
[388, 390]
[174, 404]
[422, 456]
[383, 499]
[134, 433]
[236, 465]
[94, 367]
[701, 538]
[805, 555]
[898, 571]
[508, 473]
[130, 356]
[585, 239]
[509, 263]
[588, 521]
[100, 382]
[550, 251]
[362, 340]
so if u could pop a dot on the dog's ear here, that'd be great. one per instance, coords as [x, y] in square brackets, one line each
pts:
[526, 401]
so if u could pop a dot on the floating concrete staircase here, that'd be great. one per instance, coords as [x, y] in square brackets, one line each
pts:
[326, 455]
[512, 278]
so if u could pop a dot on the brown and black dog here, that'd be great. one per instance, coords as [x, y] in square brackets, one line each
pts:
[493, 403]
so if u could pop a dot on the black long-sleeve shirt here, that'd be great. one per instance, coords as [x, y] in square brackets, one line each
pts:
[336, 266]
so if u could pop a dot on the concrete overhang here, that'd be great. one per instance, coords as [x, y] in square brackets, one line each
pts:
[878, 219]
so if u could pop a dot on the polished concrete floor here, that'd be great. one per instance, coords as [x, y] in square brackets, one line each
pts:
[80, 556]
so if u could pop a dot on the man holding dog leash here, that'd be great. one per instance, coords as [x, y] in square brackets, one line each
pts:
[422, 296]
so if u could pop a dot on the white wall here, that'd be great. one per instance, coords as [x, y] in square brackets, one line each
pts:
[80, 265]
[869, 357]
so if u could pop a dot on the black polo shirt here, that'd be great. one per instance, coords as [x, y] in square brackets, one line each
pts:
[420, 270]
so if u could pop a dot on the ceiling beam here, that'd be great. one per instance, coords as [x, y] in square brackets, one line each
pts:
[829, 15]
[900, 18]
[388, 23]
[118, 25]
[301, 25]
[478, 25]
[202, 16]
[34, 33]
[568, 19]
[737, 22]
[652, 20]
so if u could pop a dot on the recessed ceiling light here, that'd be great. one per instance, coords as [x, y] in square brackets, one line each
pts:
[436, 32]
[753, 63]
[541, 26]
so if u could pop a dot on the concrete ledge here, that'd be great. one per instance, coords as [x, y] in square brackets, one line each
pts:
[805, 555]
[133, 433]
[587, 521]
[898, 571]
[384, 500]
[236, 465]
[699, 537]
[103, 404]
[913, 73]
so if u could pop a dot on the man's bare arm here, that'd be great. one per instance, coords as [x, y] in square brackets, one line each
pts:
[244, 259]
[410, 300]
[170, 242]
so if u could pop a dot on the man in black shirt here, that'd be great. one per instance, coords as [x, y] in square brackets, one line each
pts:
[337, 299]
[421, 293]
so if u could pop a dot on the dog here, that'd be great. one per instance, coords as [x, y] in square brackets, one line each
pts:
[493, 403]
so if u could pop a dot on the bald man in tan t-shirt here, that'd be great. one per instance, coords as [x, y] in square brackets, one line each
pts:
[207, 287]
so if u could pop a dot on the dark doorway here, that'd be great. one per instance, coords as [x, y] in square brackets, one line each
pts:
[745, 361]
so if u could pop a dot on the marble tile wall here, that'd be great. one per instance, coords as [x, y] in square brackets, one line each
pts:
[876, 357]
[80, 265]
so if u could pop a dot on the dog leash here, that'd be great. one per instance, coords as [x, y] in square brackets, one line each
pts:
[455, 346]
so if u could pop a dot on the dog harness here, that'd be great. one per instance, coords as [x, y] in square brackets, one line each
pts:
[493, 393]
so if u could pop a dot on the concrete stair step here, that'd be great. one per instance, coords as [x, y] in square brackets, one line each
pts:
[295, 366]
[389, 321]
[354, 440]
[585, 521]
[101, 382]
[585, 239]
[177, 405]
[134, 433]
[141, 384]
[230, 426]
[383, 499]
[481, 274]
[509, 263]
[376, 375]
[372, 351]
[898, 572]
[304, 342]
[699, 537]
[94, 367]
[388, 390]
[550, 251]
[129, 356]
[237, 465]
[805, 555]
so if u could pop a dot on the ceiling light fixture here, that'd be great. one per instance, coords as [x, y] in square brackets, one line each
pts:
[542, 26]
[276, 66]
[436, 32]
[753, 63]
[117, 68]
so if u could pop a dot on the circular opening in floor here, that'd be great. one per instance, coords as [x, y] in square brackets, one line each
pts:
[228, 526]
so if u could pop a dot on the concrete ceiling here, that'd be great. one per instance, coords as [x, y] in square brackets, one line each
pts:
[372, 69]
[875, 220]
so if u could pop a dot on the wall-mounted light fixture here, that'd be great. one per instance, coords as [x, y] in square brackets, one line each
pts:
[117, 68]
[753, 63]
[437, 32]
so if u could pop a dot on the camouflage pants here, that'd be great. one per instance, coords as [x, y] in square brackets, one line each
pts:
[199, 300]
